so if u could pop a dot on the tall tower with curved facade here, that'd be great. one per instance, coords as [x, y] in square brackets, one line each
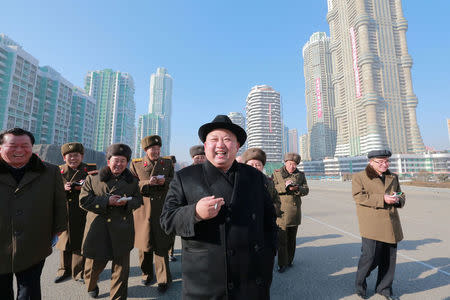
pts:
[319, 96]
[157, 120]
[375, 101]
[264, 124]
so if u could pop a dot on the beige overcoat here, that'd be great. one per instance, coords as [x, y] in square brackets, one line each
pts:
[31, 213]
[377, 220]
[146, 218]
[291, 201]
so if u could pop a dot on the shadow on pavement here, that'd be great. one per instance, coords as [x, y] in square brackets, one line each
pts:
[413, 244]
[328, 272]
[307, 239]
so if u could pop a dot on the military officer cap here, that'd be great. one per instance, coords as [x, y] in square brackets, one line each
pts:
[72, 147]
[197, 150]
[292, 156]
[254, 153]
[379, 153]
[222, 122]
[151, 140]
[118, 150]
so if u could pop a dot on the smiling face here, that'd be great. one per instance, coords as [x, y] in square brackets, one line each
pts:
[221, 147]
[380, 164]
[73, 160]
[153, 152]
[291, 166]
[16, 150]
[117, 164]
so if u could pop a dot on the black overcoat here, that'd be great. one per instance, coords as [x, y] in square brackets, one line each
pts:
[230, 256]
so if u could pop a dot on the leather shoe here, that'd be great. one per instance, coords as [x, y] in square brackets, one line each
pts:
[94, 293]
[281, 269]
[147, 281]
[61, 278]
[162, 287]
[172, 258]
[361, 295]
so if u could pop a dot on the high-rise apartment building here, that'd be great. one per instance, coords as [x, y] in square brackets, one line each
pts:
[285, 147]
[41, 100]
[293, 140]
[148, 124]
[115, 113]
[304, 147]
[161, 106]
[54, 94]
[375, 101]
[319, 96]
[264, 124]
[18, 72]
[157, 121]
[238, 119]
[82, 120]
[448, 128]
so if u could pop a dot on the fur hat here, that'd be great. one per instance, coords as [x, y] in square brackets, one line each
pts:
[72, 147]
[254, 153]
[151, 140]
[197, 150]
[292, 156]
[118, 150]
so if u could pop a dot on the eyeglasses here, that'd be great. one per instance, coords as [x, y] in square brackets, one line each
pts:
[382, 162]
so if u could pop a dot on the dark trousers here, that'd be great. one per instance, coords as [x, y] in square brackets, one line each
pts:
[28, 283]
[287, 241]
[71, 262]
[376, 254]
[172, 244]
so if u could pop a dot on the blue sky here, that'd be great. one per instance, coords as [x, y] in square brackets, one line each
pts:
[216, 51]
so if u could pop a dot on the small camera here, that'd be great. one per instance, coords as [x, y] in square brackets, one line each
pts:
[76, 183]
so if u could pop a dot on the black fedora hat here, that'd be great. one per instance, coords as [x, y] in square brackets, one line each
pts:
[222, 122]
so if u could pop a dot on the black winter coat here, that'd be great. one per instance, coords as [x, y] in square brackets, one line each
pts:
[230, 256]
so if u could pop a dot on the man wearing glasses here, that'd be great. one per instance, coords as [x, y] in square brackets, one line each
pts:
[377, 194]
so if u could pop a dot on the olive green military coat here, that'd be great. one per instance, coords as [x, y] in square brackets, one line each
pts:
[146, 219]
[109, 230]
[71, 239]
[31, 213]
[377, 220]
[290, 200]
[274, 195]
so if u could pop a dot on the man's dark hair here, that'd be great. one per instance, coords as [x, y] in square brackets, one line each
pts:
[17, 132]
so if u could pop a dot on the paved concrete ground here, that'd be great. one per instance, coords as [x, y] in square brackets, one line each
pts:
[328, 248]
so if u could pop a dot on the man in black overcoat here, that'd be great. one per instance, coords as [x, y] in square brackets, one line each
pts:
[226, 220]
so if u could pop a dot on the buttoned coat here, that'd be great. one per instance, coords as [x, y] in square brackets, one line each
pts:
[377, 220]
[71, 239]
[231, 255]
[31, 213]
[291, 201]
[109, 230]
[146, 218]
